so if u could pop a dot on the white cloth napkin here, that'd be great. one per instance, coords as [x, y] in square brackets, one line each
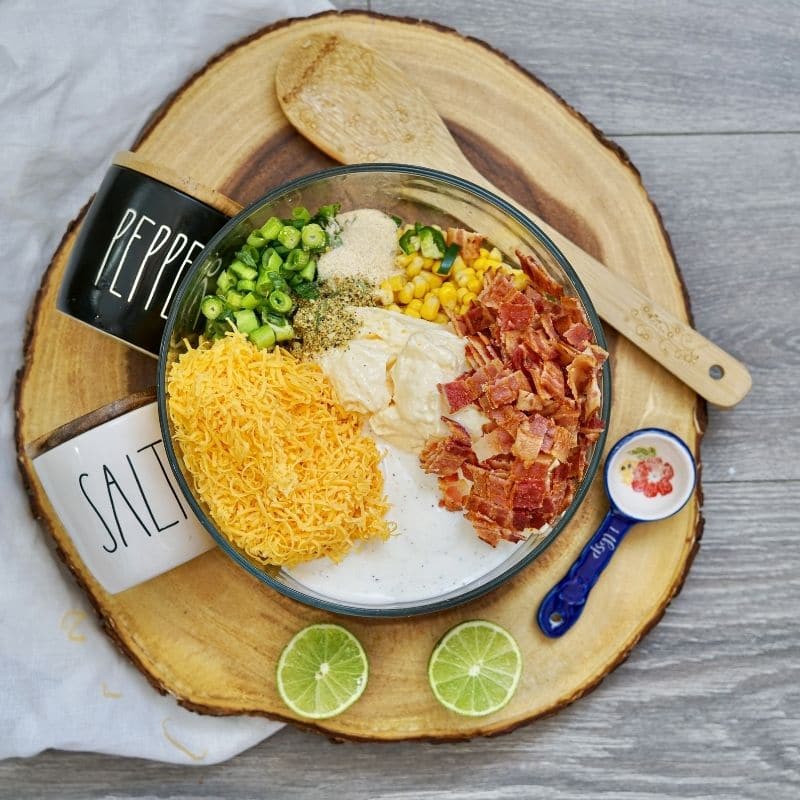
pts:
[77, 81]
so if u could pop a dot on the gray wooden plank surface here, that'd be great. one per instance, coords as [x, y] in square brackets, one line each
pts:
[708, 706]
[647, 67]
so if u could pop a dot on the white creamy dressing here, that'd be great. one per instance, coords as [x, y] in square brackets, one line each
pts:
[433, 551]
[390, 371]
[368, 248]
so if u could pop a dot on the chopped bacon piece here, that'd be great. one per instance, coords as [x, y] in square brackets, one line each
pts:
[454, 492]
[503, 391]
[501, 513]
[469, 242]
[528, 401]
[530, 437]
[493, 443]
[446, 455]
[539, 343]
[484, 375]
[549, 380]
[458, 393]
[549, 328]
[499, 292]
[516, 315]
[578, 335]
[490, 532]
[534, 371]
[539, 278]
[562, 442]
[476, 318]
[507, 418]
[582, 381]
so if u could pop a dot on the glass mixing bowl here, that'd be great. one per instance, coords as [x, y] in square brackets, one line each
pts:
[412, 193]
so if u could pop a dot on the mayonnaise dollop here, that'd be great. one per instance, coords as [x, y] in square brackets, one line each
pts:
[389, 372]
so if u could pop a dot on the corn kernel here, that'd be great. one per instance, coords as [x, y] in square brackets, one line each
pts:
[405, 295]
[492, 264]
[460, 294]
[474, 285]
[480, 262]
[468, 298]
[520, 280]
[448, 296]
[402, 261]
[385, 296]
[427, 263]
[420, 286]
[430, 308]
[415, 303]
[394, 307]
[495, 254]
[434, 281]
[412, 312]
[505, 269]
[458, 265]
[441, 318]
[397, 282]
[483, 251]
[464, 278]
[414, 268]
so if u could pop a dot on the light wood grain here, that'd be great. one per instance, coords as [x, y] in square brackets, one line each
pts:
[163, 624]
[707, 706]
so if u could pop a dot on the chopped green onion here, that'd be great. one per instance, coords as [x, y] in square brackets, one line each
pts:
[234, 299]
[397, 220]
[273, 318]
[225, 281]
[431, 243]
[280, 302]
[270, 260]
[289, 237]
[329, 212]
[248, 255]
[242, 271]
[263, 338]
[211, 307]
[409, 242]
[450, 255]
[246, 320]
[301, 214]
[284, 332]
[271, 228]
[296, 260]
[256, 239]
[309, 271]
[251, 300]
[245, 286]
[314, 237]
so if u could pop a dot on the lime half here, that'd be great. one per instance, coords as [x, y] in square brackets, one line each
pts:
[475, 668]
[322, 671]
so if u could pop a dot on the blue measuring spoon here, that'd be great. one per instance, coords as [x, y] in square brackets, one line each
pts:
[649, 475]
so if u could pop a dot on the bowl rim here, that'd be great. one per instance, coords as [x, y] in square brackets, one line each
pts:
[419, 607]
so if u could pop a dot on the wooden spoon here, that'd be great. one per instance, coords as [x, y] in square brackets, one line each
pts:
[357, 106]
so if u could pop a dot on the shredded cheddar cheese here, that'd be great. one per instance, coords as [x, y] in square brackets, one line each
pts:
[286, 473]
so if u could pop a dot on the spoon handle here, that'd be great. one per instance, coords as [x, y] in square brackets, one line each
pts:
[698, 362]
[564, 603]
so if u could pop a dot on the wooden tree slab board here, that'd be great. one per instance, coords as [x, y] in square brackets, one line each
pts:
[210, 634]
